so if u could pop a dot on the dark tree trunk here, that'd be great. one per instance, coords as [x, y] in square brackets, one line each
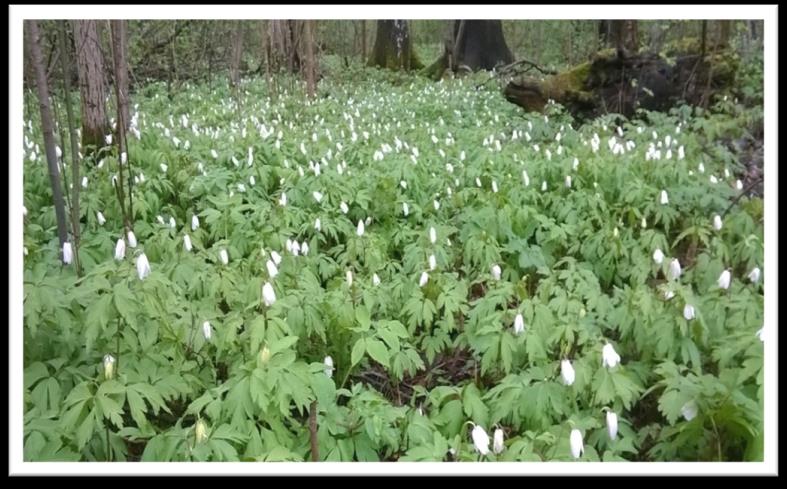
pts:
[119, 32]
[393, 48]
[480, 44]
[91, 84]
[363, 39]
[311, 70]
[237, 51]
[47, 126]
[623, 35]
[725, 28]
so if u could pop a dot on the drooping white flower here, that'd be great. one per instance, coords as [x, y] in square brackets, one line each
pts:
[84, 182]
[214, 154]
[432, 262]
[612, 425]
[206, 330]
[194, 222]
[497, 445]
[317, 196]
[283, 199]
[664, 199]
[132, 240]
[674, 269]
[272, 270]
[738, 185]
[405, 209]
[344, 208]
[120, 249]
[109, 366]
[609, 357]
[360, 229]
[143, 266]
[432, 235]
[668, 294]
[163, 168]
[567, 372]
[713, 179]
[160, 219]
[68, 253]
[305, 248]
[424, 279]
[519, 324]
[717, 222]
[268, 295]
[577, 447]
[317, 224]
[436, 205]
[544, 186]
[480, 440]
[171, 222]
[276, 257]
[760, 334]
[754, 275]
[187, 242]
[568, 181]
[689, 410]
[494, 186]
[724, 279]
[349, 277]
[328, 362]
[688, 312]
[100, 218]
[701, 168]
[225, 259]
[525, 178]
[496, 271]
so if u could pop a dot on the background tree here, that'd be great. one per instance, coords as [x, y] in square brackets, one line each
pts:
[91, 84]
[119, 39]
[480, 44]
[393, 47]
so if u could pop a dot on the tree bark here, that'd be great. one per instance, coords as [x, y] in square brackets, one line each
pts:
[47, 126]
[119, 32]
[393, 47]
[73, 138]
[310, 62]
[481, 45]
[237, 51]
[623, 35]
[363, 39]
[91, 85]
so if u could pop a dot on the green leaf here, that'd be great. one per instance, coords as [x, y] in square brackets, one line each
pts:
[358, 351]
[378, 351]
[363, 317]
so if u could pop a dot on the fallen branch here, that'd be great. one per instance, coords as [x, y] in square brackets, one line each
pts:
[505, 70]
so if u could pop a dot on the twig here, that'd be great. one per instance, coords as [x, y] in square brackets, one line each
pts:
[315, 444]
[743, 192]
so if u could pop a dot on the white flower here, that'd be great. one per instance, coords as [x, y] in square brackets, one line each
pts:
[477, 182]
[405, 208]
[754, 275]
[272, 270]
[132, 240]
[194, 222]
[283, 199]
[160, 219]
[403, 184]
[738, 185]
[575, 164]
[688, 312]
[612, 425]
[717, 222]
[480, 440]
[223, 256]
[276, 257]
[674, 269]
[109, 366]
[424, 279]
[519, 324]
[644, 223]
[206, 330]
[436, 205]
[108, 139]
[317, 224]
[544, 186]
[360, 229]
[328, 366]
[68, 253]
[349, 277]
[609, 357]
[268, 295]
[576, 443]
[525, 178]
[713, 179]
[567, 372]
[568, 181]
[664, 199]
[497, 445]
[496, 272]
[701, 168]
[305, 248]
[187, 242]
[432, 235]
[120, 249]
[760, 335]
[689, 410]
[252, 181]
[432, 262]
[172, 222]
[100, 218]
[375, 280]
[84, 182]
[494, 186]
[668, 294]
[317, 196]
[143, 266]
[214, 154]
[724, 279]
[344, 208]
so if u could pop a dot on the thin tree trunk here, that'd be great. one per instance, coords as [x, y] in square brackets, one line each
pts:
[119, 33]
[363, 39]
[310, 63]
[237, 51]
[47, 128]
[704, 39]
[72, 131]
[122, 144]
[457, 40]
[91, 84]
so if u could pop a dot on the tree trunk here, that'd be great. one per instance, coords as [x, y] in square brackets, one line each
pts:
[393, 47]
[119, 33]
[47, 127]
[725, 28]
[310, 63]
[91, 85]
[623, 35]
[72, 131]
[481, 46]
[237, 51]
[363, 39]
